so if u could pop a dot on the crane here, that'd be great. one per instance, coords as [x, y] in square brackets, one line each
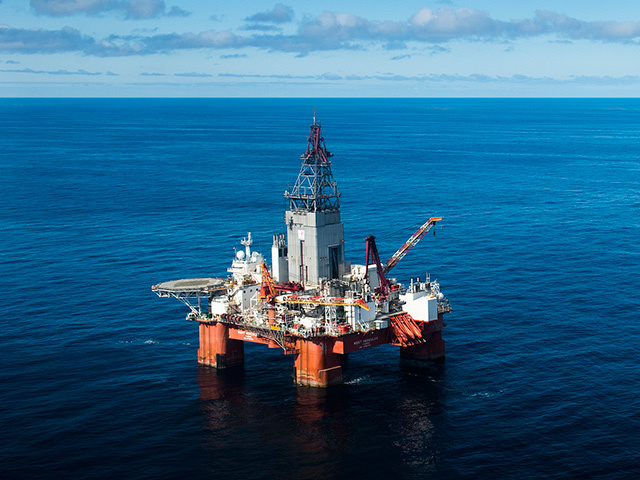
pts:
[409, 244]
[374, 259]
[269, 289]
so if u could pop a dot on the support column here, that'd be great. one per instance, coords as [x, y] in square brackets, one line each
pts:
[316, 365]
[433, 349]
[216, 349]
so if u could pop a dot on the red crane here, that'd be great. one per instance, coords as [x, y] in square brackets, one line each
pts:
[374, 259]
[409, 244]
[269, 289]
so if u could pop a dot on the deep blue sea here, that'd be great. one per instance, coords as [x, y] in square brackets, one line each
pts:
[539, 254]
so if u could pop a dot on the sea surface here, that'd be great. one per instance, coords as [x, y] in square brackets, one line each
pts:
[538, 252]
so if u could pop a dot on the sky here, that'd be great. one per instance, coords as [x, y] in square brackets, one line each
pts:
[256, 48]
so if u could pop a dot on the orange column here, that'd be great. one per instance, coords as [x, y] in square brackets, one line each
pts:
[203, 351]
[216, 349]
[316, 365]
[432, 349]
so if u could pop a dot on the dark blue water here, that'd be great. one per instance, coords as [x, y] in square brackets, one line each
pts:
[539, 255]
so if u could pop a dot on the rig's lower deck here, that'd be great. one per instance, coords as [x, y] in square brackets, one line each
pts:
[318, 360]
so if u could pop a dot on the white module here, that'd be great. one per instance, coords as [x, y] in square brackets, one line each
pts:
[420, 302]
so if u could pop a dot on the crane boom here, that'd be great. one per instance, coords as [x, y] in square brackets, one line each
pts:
[409, 244]
[374, 259]
[267, 288]
[270, 289]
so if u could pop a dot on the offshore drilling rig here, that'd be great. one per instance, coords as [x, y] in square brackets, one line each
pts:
[313, 303]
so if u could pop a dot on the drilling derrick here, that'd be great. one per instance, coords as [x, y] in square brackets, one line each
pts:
[313, 304]
[315, 233]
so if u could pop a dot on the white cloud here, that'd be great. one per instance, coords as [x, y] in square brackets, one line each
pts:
[193, 74]
[56, 72]
[133, 9]
[325, 32]
[451, 79]
[71, 7]
[143, 8]
[22, 40]
[280, 13]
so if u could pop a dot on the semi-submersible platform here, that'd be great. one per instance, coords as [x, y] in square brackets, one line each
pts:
[313, 303]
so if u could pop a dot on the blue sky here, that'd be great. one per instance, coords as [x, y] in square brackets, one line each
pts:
[467, 48]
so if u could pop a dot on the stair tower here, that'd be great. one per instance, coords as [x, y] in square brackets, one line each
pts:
[315, 234]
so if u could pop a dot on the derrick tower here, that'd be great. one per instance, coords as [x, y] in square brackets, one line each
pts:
[315, 233]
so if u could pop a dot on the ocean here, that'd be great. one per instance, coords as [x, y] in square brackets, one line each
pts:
[538, 252]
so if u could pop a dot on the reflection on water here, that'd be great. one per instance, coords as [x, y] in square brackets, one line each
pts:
[385, 421]
[419, 411]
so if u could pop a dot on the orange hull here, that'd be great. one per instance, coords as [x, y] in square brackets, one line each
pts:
[319, 360]
[217, 349]
[316, 365]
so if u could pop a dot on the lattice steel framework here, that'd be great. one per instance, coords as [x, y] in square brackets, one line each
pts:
[315, 189]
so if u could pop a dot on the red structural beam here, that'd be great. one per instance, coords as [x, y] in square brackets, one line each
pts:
[373, 258]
